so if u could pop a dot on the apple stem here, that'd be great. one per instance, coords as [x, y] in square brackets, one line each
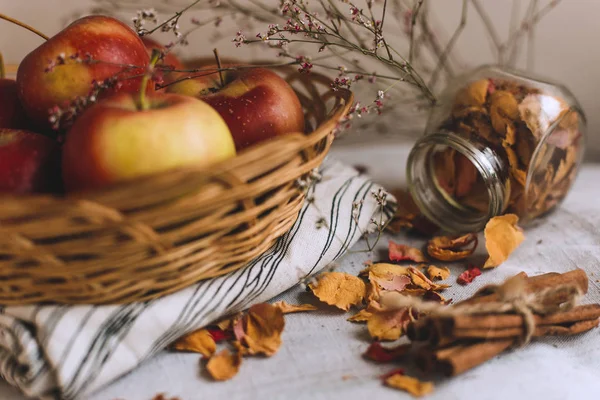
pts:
[219, 67]
[23, 25]
[143, 101]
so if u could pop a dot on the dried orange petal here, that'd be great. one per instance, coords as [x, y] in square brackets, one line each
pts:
[339, 289]
[384, 270]
[444, 248]
[504, 110]
[421, 281]
[400, 252]
[200, 341]
[438, 273]
[409, 384]
[263, 325]
[361, 316]
[502, 237]
[224, 365]
[388, 324]
[287, 308]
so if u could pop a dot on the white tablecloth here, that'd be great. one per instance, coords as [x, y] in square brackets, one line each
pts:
[321, 353]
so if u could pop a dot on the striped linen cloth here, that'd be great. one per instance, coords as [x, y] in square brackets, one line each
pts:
[68, 352]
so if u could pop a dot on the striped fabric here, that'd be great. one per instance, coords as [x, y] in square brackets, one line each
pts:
[67, 352]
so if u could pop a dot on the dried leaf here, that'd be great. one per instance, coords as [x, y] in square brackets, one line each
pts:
[379, 353]
[438, 273]
[339, 289]
[287, 308]
[384, 271]
[468, 275]
[444, 248]
[504, 110]
[435, 296]
[361, 316]
[388, 324]
[502, 237]
[409, 384]
[263, 325]
[224, 365]
[420, 280]
[200, 341]
[400, 252]
[396, 283]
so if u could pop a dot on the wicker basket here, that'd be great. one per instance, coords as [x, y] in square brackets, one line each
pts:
[154, 236]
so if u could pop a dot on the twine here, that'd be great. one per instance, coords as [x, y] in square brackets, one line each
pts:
[512, 296]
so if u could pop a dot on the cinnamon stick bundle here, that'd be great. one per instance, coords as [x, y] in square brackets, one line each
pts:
[458, 342]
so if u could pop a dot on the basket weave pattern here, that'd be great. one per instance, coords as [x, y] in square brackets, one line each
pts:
[156, 235]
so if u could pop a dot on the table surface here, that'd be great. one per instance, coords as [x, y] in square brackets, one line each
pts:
[321, 353]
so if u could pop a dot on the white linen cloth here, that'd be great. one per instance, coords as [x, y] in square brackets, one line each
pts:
[68, 352]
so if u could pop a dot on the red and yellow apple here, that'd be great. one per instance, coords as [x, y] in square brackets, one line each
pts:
[29, 162]
[108, 42]
[256, 103]
[12, 114]
[115, 140]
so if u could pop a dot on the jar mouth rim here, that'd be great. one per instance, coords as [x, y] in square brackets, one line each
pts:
[429, 197]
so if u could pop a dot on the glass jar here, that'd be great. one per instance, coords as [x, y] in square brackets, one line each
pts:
[498, 141]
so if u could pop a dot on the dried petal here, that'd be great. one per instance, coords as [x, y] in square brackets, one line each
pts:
[218, 334]
[263, 325]
[200, 341]
[435, 296]
[438, 273]
[400, 252]
[389, 324]
[409, 384]
[224, 365]
[384, 271]
[379, 353]
[339, 289]
[287, 308]
[468, 276]
[473, 95]
[444, 248]
[397, 283]
[396, 371]
[502, 237]
[420, 280]
[406, 211]
[361, 316]
[504, 110]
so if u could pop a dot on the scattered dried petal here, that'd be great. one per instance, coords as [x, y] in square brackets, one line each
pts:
[389, 324]
[383, 271]
[444, 248]
[438, 273]
[379, 353]
[339, 289]
[263, 327]
[396, 371]
[224, 365]
[287, 308]
[361, 316]
[218, 334]
[468, 276]
[421, 281]
[400, 252]
[396, 283]
[502, 237]
[409, 384]
[200, 341]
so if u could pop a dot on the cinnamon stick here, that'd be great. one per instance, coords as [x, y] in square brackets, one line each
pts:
[537, 283]
[546, 330]
[452, 363]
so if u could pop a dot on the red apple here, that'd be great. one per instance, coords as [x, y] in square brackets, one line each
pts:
[110, 44]
[28, 162]
[12, 114]
[115, 140]
[256, 103]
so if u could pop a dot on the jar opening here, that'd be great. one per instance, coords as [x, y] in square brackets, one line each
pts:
[457, 184]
